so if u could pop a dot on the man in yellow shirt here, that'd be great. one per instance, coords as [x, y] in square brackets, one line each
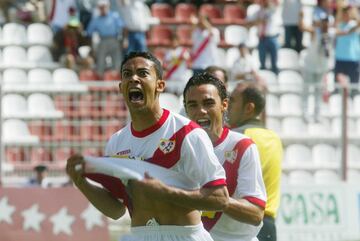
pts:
[247, 102]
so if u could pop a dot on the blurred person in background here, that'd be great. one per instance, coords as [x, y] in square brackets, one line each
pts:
[176, 62]
[137, 17]
[86, 8]
[316, 64]
[109, 26]
[60, 14]
[291, 11]
[246, 104]
[321, 11]
[5, 6]
[205, 40]
[218, 72]
[244, 66]
[39, 178]
[268, 27]
[347, 45]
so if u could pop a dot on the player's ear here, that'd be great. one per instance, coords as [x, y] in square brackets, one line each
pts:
[250, 108]
[160, 85]
[225, 104]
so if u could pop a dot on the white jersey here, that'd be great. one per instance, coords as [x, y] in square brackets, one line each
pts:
[209, 54]
[174, 142]
[240, 159]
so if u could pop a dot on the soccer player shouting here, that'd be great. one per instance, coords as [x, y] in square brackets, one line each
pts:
[156, 135]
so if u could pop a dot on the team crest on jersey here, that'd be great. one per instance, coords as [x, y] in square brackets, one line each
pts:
[230, 156]
[166, 146]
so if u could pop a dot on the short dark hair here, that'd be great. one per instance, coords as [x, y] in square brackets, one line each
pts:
[145, 55]
[204, 78]
[40, 168]
[213, 68]
[252, 93]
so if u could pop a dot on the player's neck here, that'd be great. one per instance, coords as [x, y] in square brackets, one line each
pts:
[146, 118]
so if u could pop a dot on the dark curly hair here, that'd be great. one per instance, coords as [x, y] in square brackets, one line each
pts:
[204, 78]
[145, 55]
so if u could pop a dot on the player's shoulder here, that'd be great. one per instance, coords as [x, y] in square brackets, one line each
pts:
[183, 121]
[123, 131]
[237, 136]
[189, 128]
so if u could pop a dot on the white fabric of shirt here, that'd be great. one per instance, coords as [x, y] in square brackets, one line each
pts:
[136, 14]
[241, 66]
[291, 12]
[197, 159]
[315, 60]
[173, 55]
[209, 55]
[273, 20]
[61, 12]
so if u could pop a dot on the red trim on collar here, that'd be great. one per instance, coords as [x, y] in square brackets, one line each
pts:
[152, 128]
[224, 134]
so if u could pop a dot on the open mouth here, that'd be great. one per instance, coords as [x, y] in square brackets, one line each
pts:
[204, 123]
[136, 95]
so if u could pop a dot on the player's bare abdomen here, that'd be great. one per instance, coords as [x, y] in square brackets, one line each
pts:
[163, 212]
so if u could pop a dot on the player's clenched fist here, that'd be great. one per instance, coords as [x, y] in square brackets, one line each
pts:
[75, 168]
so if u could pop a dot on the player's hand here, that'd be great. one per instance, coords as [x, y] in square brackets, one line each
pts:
[149, 185]
[75, 169]
[194, 20]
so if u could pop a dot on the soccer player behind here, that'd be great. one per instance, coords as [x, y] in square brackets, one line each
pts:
[205, 102]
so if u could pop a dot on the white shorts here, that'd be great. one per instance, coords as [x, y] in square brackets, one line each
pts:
[168, 233]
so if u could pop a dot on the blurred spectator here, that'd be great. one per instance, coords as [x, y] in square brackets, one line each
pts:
[266, 20]
[218, 72]
[39, 179]
[243, 67]
[291, 11]
[68, 40]
[137, 17]
[322, 11]
[316, 63]
[5, 6]
[347, 47]
[205, 39]
[176, 62]
[60, 14]
[86, 8]
[109, 26]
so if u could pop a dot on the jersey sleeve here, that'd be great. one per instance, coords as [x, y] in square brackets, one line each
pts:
[199, 160]
[250, 184]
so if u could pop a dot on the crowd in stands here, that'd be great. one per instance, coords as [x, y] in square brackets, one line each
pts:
[92, 36]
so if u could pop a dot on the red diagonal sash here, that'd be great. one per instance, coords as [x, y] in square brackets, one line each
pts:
[176, 65]
[201, 48]
[231, 169]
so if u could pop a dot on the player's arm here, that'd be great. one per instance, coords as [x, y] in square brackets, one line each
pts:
[98, 196]
[202, 165]
[244, 211]
[250, 187]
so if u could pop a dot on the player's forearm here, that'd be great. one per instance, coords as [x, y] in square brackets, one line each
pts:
[215, 198]
[102, 200]
[244, 211]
